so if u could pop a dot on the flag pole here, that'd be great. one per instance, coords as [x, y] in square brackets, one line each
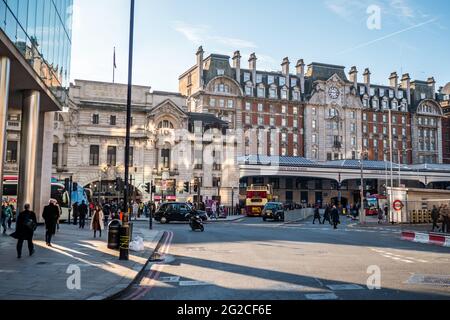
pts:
[114, 65]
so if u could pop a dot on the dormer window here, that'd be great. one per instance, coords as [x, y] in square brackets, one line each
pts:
[296, 96]
[261, 92]
[270, 79]
[394, 105]
[400, 94]
[391, 94]
[246, 76]
[362, 90]
[366, 102]
[294, 82]
[381, 92]
[282, 81]
[249, 91]
[273, 93]
[385, 104]
[372, 92]
[284, 94]
[375, 104]
[259, 78]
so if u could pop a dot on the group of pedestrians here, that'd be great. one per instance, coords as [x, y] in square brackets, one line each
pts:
[442, 213]
[331, 215]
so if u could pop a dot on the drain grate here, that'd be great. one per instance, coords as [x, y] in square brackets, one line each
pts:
[430, 280]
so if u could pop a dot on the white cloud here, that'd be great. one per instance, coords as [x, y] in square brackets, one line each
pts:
[402, 8]
[201, 34]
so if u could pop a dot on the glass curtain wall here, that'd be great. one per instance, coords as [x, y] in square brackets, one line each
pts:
[42, 31]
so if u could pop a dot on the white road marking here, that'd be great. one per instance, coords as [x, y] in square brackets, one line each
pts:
[342, 287]
[321, 296]
[169, 279]
[193, 283]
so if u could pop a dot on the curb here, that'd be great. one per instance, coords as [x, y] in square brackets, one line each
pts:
[226, 220]
[126, 283]
[426, 238]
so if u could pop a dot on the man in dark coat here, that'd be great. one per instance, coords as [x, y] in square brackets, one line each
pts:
[435, 217]
[83, 211]
[326, 216]
[335, 217]
[25, 226]
[317, 215]
[75, 213]
[50, 216]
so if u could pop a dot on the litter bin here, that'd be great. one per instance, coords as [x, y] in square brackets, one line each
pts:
[113, 234]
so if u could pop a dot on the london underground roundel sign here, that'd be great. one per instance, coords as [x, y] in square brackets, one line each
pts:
[398, 205]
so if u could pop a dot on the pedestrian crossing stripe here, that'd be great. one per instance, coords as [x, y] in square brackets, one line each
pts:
[170, 279]
[193, 283]
[343, 287]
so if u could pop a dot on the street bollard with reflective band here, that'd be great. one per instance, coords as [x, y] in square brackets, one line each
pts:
[124, 242]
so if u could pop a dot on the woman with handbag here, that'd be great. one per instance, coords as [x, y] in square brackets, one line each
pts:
[25, 227]
[97, 221]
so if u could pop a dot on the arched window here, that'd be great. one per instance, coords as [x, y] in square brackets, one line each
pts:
[165, 124]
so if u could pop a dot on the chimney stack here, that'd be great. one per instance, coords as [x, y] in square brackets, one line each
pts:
[366, 75]
[406, 84]
[394, 82]
[353, 75]
[285, 70]
[252, 67]
[200, 53]
[300, 68]
[432, 84]
[237, 65]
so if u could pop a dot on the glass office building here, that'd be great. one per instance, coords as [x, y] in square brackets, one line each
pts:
[42, 31]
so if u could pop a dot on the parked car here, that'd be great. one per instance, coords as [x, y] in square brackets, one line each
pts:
[178, 212]
[274, 211]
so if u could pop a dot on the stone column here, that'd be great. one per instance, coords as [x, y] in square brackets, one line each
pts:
[28, 149]
[42, 185]
[4, 95]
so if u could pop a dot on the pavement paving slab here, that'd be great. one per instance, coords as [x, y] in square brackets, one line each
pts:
[47, 276]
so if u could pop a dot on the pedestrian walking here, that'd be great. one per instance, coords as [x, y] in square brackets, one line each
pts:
[380, 216]
[96, 222]
[106, 212]
[75, 213]
[335, 217]
[386, 213]
[83, 212]
[11, 214]
[50, 216]
[317, 215]
[445, 213]
[327, 214]
[5, 215]
[59, 213]
[135, 210]
[26, 224]
[435, 213]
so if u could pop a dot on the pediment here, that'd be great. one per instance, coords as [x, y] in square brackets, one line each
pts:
[168, 107]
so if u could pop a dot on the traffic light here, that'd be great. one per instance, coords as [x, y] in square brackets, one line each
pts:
[153, 189]
[67, 184]
[119, 184]
[195, 188]
[186, 187]
[148, 187]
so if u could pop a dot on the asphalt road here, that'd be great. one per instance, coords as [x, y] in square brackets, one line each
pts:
[253, 260]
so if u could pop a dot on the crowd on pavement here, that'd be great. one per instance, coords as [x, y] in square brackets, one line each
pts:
[441, 214]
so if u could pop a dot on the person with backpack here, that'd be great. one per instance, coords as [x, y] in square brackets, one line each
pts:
[26, 224]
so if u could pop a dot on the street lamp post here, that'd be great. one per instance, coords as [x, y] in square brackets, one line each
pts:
[125, 235]
[362, 211]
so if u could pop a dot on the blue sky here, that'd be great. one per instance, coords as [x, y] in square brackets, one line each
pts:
[413, 36]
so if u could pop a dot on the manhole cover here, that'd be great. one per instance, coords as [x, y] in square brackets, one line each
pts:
[430, 280]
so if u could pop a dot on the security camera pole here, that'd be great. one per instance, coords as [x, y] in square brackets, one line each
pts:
[125, 234]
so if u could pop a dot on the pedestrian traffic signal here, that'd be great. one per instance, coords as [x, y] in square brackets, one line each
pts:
[153, 189]
[148, 187]
[186, 187]
[195, 188]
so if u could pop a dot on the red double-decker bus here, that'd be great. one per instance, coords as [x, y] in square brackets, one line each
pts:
[256, 199]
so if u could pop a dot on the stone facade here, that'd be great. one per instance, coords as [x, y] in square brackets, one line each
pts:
[164, 136]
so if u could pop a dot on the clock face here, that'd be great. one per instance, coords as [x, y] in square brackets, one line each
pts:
[334, 93]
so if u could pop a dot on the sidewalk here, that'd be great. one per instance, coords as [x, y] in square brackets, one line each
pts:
[44, 276]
